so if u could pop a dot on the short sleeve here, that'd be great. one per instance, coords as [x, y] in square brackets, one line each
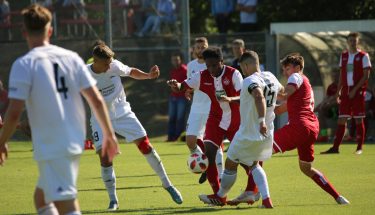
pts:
[295, 79]
[119, 68]
[366, 61]
[85, 79]
[237, 80]
[252, 83]
[19, 81]
[193, 81]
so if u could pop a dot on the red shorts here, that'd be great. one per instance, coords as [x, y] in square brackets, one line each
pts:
[301, 137]
[215, 134]
[352, 107]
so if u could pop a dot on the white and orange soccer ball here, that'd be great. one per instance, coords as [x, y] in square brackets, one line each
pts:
[197, 163]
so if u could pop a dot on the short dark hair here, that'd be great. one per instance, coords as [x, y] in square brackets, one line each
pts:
[103, 52]
[35, 18]
[295, 59]
[201, 40]
[213, 52]
[353, 34]
[249, 55]
[97, 42]
[177, 54]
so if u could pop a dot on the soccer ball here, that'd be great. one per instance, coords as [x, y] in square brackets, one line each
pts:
[197, 163]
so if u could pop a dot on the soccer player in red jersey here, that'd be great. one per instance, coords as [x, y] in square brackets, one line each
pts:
[355, 71]
[303, 128]
[222, 84]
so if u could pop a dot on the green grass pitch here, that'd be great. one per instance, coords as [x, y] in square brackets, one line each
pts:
[140, 191]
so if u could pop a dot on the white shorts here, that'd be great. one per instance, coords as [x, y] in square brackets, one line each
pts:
[246, 152]
[196, 124]
[58, 178]
[127, 126]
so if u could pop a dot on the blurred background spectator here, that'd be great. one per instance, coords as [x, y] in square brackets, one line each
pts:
[328, 108]
[4, 12]
[248, 15]
[177, 106]
[238, 48]
[4, 101]
[164, 13]
[221, 10]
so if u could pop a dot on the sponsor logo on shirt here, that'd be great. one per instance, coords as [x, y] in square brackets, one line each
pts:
[357, 59]
[226, 81]
[207, 83]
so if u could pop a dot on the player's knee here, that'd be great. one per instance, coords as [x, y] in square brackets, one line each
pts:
[144, 145]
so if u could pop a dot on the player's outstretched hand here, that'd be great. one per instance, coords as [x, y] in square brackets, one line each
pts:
[173, 83]
[154, 72]
[189, 94]
[225, 98]
[110, 147]
[3, 153]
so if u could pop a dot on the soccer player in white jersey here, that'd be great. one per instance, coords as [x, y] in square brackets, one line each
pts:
[253, 141]
[200, 108]
[108, 72]
[50, 81]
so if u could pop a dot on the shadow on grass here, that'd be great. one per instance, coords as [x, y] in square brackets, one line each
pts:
[169, 210]
[135, 187]
[143, 176]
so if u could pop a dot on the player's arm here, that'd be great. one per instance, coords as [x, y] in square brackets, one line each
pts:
[97, 105]
[230, 99]
[12, 116]
[280, 108]
[140, 75]
[260, 104]
[288, 91]
[365, 77]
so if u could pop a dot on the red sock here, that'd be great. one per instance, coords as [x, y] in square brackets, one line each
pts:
[360, 135]
[201, 145]
[339, 136]
[322, 181]
[251, 186]
[213, 177]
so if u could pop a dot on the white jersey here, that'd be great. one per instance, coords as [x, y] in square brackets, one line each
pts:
[249, 128]
[201, 102]
[49, 79]
[110, 86]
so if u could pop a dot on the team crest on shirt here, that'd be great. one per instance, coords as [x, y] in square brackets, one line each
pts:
[357, 59]
[226, 81]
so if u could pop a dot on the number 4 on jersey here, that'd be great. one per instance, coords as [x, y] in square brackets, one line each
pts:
[60, 81]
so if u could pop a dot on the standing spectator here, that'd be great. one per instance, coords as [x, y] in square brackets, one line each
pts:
[4, 101]
[221, 10]
[238, 48]
[355, 71]
[177, 101]
[165, 13]
[248, 15]
[327, 108]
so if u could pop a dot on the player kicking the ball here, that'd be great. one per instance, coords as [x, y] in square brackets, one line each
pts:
[253, 141]
[303, 128]
[108, 73]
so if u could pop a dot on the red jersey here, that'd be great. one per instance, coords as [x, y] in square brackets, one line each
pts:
[229, 83]
[301, 103]
[180, 75]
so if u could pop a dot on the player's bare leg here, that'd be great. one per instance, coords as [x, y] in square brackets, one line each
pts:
[154, 160]
[322, 181]
[109, 179]
[55, 208]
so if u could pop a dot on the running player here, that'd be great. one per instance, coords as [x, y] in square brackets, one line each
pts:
[200, 108]
[222, 84]
[108, 72]
[303, 128]
[253, 141]
[50, 81]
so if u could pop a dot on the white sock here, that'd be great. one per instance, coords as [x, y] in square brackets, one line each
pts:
[74, 213]
[219, 161]
[109, 179]
[48, 209]
[197, 150]
[227, 181]
[155, 162]
[260, 180]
